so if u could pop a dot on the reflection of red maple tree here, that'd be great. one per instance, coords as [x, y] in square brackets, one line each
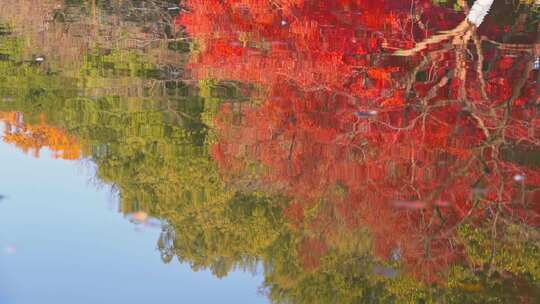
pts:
[313, 148]
[373, 136]
[313, 42]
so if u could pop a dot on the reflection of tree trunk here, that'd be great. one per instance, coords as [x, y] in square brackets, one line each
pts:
[478, 11]
[460, 34]
[459, 30]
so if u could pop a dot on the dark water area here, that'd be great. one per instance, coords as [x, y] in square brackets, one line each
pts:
[255, 151]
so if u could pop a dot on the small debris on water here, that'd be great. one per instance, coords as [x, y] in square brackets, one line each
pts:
[387, 272]
[441, 203]
[366, 114]
[473, 287]
[140, 216]
[10, 249]
[479, 190]
[395, 255]
[519, 177]
[410, 204]
[417, 205]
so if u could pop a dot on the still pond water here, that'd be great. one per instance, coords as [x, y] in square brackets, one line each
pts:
[255, 151]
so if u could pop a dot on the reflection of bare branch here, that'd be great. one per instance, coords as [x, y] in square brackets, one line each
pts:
[459, 30]
[529, 48]
[479, 65]
[461, 34]
[480, 122]
[433, 91]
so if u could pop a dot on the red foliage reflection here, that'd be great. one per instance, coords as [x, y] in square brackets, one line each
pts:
[409, 147]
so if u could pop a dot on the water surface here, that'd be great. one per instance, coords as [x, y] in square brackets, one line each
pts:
[295, 151]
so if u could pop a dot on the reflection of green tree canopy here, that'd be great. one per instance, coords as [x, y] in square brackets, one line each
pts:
[222, 234]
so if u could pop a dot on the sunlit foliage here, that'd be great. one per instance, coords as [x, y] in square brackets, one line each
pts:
[293, 142]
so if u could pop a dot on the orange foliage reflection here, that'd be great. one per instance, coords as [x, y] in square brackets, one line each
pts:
[31, 138]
